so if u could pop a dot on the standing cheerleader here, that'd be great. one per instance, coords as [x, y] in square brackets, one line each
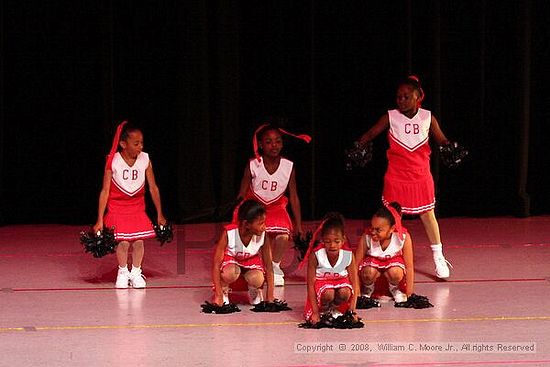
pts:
[408, 179]
[122, 196]
[267, 178]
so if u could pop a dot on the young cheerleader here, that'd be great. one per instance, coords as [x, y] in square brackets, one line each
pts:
[332, 284]
[267, 178]
[386, 248]
[408, 179]
[244, 249]
[123, 196]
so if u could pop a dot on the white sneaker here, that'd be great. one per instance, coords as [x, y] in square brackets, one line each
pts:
[122, 278]
[256, 295]
[398, 296]
[136, 278]
[442, 267]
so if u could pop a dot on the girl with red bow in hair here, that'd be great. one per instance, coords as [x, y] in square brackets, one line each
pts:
[122, 202]
[386, 248]
[267, 178]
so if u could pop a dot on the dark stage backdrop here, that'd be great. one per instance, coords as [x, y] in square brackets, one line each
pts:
[199, 76]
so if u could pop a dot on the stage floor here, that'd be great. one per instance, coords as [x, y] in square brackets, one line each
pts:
[58, 306]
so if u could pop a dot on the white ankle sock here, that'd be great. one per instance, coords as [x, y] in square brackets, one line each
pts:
[437, 249]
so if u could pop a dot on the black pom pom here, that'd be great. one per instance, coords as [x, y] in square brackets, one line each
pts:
[364, 302]
[302, 245]
[208, 307]
[452, 154]
[164, 233]
[415, 301]
[310, 325]
[345, 321]
[359, 155]
[99, 244]
[275, 306]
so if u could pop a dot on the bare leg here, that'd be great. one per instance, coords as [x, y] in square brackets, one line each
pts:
[395, 275]
[138, 249]
[432, 231]
[368, 277]
[255, 280]
[280, 244]
[122, 253]
[326, 299]
[431, 226]
[342, 295]
[229, 274]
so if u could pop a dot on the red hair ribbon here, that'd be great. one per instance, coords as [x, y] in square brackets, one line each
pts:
[311, 243]
[116, 140]
[303, 137]
[231, 226]
[398, 227]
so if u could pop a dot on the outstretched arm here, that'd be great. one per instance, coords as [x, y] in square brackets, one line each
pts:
[155, 193]
[382, 124]
[103, 197]
[437, 133]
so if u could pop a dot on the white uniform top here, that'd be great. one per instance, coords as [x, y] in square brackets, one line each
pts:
[238, 250]
[394, 248]
[129, 179]
[326, 271]
[268, 188]
[410, 133]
